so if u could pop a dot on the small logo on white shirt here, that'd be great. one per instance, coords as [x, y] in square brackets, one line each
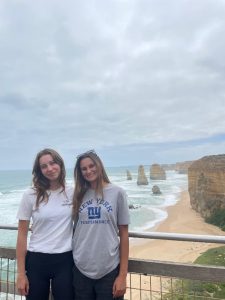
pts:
[67, 202]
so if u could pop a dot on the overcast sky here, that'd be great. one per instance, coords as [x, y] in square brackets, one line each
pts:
[140, 81]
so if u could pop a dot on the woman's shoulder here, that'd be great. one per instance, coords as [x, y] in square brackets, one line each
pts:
[69, 190]
[30, 192]
[115, 188]
[29, 196]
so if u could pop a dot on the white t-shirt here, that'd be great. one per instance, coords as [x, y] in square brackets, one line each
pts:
[52, 224]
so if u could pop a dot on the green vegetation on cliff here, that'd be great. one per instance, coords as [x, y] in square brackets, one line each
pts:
[217, 218]
[190, 290]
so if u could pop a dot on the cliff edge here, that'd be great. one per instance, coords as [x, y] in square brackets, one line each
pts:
[206, 184]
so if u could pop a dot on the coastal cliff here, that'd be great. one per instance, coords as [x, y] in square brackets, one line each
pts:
[206, 184]
[179, 167]
[182, 167]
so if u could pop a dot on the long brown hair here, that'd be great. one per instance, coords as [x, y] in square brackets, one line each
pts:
[40, 183]
[82, 185]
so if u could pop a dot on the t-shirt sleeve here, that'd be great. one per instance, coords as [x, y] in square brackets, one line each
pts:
[69, 193]
[123, 210]
[25, 207]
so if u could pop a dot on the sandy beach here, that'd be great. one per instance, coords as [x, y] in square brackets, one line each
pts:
[181, 219]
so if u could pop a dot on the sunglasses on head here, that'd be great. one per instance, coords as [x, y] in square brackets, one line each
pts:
[86, 153]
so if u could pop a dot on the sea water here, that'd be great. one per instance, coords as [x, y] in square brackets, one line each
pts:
[147, 211]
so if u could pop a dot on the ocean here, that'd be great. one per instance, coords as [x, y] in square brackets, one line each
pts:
[148, 209]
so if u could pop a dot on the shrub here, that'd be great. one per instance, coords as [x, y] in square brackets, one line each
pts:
[204, 290]
[217, 218]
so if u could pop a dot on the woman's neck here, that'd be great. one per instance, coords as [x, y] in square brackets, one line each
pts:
[55, 185]
[94, 185]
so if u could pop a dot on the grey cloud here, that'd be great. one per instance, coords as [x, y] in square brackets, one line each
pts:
[111, 74]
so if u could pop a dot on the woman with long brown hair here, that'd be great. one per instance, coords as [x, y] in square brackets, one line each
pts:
[48, 259]
[101, 213]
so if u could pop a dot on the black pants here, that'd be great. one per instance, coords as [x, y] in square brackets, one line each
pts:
[94, 289]
[45, 269]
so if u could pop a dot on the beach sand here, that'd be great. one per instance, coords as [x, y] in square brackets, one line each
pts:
[181, 219]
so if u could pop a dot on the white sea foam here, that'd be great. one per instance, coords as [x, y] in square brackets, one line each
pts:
[160, 215]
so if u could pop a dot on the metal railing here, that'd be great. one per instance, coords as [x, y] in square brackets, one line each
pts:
[147, 279]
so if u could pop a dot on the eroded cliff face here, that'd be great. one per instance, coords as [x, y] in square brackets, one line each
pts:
[179, 167]
[206, 184]
[182, 167]
[157, 172]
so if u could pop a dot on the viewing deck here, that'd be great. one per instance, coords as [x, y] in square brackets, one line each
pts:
[147, 279]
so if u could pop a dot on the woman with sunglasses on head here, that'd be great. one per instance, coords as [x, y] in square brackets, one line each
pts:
[101, 213]
[48, 203]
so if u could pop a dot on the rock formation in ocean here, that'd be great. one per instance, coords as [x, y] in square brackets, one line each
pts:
[134, 206]
[182, 167]
[142, 179]
[168, 167]
[129, 177]
[206, 184]
[157, 172]
[156, 190]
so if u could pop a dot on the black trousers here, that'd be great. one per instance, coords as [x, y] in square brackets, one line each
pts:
[94, 289]
[44, 270]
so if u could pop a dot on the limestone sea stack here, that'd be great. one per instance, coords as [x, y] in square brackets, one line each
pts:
[129, 177]
[206, 184]
[142, 179]
[168, 167]
[157, 172]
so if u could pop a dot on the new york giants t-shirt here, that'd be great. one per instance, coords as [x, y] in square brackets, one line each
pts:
[96, 241]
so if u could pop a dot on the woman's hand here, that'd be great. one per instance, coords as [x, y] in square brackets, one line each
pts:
[119, 286]
[22, 284]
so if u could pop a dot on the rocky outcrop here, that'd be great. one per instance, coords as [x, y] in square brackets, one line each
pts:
[157, 172]
[129, 177]
[142, 179]
[206, 184]
[156, 190]
[168, 167]
[182, 167]
[134, 206]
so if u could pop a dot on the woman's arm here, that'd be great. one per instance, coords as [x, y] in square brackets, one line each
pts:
[21, 250]
[119, 287]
